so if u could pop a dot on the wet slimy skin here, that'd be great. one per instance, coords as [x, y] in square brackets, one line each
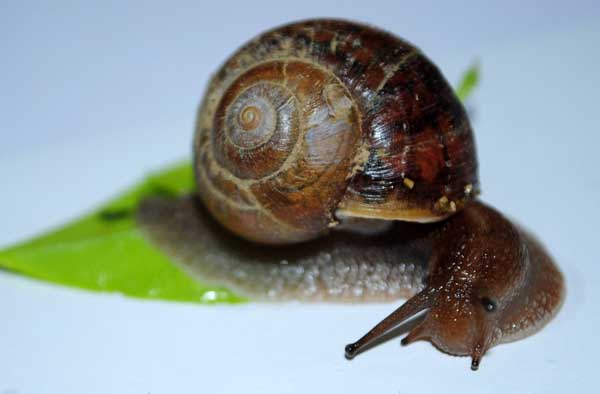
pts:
[480, 279]
[342, 267]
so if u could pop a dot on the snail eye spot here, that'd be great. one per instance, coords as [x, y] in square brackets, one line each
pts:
[488, 304]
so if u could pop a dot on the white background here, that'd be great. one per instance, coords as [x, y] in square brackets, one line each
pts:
[95, 95]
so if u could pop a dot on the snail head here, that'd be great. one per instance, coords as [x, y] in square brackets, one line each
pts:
[478, 269]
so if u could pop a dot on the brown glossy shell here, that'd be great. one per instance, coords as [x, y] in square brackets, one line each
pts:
[325, 119]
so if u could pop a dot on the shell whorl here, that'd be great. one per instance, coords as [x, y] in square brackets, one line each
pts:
[328, 117]
[274, 164]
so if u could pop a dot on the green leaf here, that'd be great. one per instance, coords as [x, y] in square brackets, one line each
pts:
[105, 250]
[469, 81]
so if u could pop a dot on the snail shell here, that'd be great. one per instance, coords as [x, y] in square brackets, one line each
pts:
[323, 120]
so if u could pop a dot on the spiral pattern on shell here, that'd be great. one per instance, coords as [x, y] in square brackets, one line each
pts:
[324, 118]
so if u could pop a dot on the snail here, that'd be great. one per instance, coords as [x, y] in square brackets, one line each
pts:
[334, 162]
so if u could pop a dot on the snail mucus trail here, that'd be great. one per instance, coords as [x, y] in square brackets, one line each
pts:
[334, 163]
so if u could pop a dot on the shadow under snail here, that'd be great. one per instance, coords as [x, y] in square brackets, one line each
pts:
[334, 163]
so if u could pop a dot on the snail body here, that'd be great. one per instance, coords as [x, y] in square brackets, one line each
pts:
[349, 141]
